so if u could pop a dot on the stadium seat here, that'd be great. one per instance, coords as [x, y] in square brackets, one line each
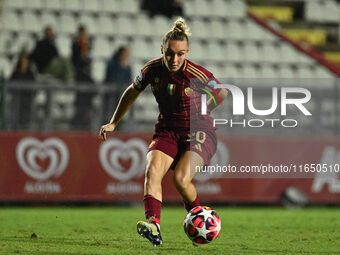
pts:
[105, 25]
[131, 6]
[90, 6]
[155, 47]
[15, 4]
[270, 37]
[89, 22]
[49, 19]
[120, 41]
[125, 26]
[322, 72]
[53, 5]
[313, 11]
[145, 107]
[304, 72]
[197, 51]
[286, 72]
[144, 26]
[203, 8]
[23, 42]
[304, 59]
[31, 22]
[236, 30]
[216, 70]
[62, 106]
[269, 77]
[11, 21]
[215, 52]
[161, 25]
[189, 8]
[252, 52]
[268, 72]
[271, 53]
[331, 11]
[254, 31]
[102, 48]
[5, 42]
[136, 67]
[219, 8]
[287, 53]
[98, 71]
[140, 49]
[72, 5]
[238, 8]
[34, 4]
[250, 72]
[233, 52]
[64, 45]
[6, 67]
[67, 24]
[109, 6]
[217, 29]
[199, 28]
[233, 72]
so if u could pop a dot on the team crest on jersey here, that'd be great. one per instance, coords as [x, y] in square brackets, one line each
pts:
[156, 80]
[187, 91]
[171, 88]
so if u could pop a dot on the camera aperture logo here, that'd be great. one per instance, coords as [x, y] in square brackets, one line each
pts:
[238, 105]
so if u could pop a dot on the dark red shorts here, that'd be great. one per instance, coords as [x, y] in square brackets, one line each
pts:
[174, 142]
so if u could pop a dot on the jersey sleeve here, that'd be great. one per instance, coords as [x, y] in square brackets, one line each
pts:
[141, 80]
[211, 82]
[210, 86]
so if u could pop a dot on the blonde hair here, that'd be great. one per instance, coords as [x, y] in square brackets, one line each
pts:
[179, 31]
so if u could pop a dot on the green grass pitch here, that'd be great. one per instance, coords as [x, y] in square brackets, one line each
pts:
[104, 230]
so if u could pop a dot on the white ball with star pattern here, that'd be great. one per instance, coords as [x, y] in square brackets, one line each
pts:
[202, 225]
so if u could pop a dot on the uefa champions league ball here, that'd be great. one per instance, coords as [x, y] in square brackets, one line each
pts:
[202, 225]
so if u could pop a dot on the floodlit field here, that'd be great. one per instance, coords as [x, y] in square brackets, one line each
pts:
[96, 231]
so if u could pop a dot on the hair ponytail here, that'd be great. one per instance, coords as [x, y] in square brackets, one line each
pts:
[179, 31]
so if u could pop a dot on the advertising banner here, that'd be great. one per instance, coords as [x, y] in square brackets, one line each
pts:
[77, 166]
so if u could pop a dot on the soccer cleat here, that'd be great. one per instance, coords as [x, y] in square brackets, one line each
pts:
[150, 231]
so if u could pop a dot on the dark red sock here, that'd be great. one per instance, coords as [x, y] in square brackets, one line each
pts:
[195, 203]
[152, 208]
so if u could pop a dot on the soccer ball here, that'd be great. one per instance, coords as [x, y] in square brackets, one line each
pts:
[202, 225]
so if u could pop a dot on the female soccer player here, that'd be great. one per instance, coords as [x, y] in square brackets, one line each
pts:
[182, 138]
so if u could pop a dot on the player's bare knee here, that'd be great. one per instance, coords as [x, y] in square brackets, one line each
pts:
[181, 182]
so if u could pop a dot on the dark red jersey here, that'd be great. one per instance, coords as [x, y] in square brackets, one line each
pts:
[178, 94]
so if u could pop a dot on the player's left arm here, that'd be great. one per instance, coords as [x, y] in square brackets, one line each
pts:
[222, 93]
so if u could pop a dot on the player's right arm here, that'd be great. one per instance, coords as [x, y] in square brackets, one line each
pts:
[125, 102]
[129, 96]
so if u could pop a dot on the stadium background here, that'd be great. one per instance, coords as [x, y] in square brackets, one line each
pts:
[49, 158]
